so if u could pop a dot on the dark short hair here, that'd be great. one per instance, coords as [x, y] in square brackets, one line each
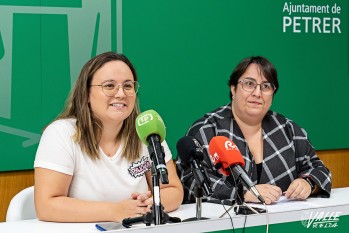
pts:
[266, 67]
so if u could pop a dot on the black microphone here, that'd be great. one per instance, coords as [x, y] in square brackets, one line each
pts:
[190, 151]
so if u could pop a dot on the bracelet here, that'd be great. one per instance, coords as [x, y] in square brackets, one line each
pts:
[310, 182]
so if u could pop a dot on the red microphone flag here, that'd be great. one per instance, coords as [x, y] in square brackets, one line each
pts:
[224, 152]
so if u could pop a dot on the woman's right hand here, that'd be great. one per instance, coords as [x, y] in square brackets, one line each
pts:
[139, 204]
[270, 194]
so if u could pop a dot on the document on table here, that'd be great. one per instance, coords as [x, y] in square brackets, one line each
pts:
[286, 204]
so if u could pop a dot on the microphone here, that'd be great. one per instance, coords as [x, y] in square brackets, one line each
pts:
[225, 156]
[190, 151]
[152, 131]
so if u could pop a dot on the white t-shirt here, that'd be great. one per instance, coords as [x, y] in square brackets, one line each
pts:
[105, 179]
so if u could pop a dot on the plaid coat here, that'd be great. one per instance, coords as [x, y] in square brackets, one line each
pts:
[287, 151]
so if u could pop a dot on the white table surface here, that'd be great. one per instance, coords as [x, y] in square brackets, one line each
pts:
[283, 211]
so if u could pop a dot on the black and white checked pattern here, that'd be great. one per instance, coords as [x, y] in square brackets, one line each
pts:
[288, 155]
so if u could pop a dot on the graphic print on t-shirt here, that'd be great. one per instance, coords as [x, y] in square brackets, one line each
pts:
[138, 168]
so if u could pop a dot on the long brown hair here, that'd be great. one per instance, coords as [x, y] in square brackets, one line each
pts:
[88, 127]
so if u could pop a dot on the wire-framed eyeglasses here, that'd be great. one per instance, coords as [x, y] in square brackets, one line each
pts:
[250, 85]
[111, 88]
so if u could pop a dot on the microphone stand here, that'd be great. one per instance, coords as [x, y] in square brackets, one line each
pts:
[198, 193]
[157, 214]
[239, 206]
[156, 153]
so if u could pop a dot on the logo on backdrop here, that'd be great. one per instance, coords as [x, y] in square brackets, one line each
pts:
[320, 219]
[317, 19]
[73, 32]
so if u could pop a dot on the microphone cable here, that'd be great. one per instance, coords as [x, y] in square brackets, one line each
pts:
[250, 207]
[244, 204]
[226, 211]
[267, 217]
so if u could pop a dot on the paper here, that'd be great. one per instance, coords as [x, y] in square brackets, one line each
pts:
[284, 204]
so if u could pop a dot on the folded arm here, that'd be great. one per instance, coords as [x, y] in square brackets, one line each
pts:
[53, 204]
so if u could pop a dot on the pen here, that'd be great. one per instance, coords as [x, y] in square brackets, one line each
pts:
[100, 228]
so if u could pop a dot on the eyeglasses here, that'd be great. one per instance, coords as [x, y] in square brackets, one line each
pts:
[110, 89]
[250, 85]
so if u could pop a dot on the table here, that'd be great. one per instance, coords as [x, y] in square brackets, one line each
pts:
[314, 214]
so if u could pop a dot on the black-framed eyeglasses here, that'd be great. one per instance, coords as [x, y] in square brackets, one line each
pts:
[110, 88]
[250, 85]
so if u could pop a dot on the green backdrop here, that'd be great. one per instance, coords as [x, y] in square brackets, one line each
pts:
[184, 52]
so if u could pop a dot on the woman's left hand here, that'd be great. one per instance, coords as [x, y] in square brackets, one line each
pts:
[298, 189]
[144, 199]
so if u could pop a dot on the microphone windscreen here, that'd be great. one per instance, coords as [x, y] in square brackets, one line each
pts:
[223, 150]
[189, 148]
[148, 123]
